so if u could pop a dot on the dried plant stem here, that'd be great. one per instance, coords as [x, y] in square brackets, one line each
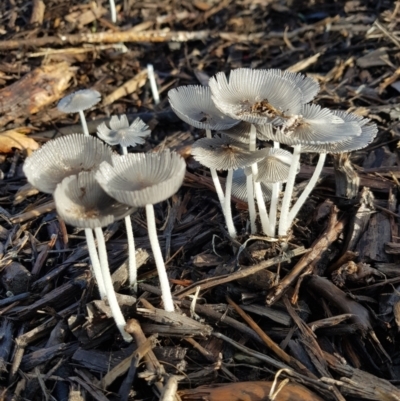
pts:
[94, 258]
[307, 190]
[162, 273]
[283, 221]
[110, 293]
[84, 123]
[228, 209]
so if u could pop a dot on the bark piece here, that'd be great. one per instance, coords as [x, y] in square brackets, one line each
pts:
[16, 278]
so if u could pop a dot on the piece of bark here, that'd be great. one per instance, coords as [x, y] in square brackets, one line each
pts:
[249, 391]
[6, 343]
[15, 278]
[347, 180]
[358, 273]
[34, 91]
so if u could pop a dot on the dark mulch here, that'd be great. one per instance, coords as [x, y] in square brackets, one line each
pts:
[327, 313]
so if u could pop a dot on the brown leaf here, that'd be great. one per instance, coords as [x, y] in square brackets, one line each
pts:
[16, 139]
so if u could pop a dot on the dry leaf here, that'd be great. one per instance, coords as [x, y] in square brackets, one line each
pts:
[16, 139]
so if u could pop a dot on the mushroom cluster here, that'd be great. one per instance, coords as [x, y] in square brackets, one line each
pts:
[93, 186]
[257, 116]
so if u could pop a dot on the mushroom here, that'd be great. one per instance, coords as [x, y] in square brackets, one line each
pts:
[144, 179]
[350, 144]
[224, 153]
[79, 101]
[239, 187]
[123, 134]
[81, 202]
[193, 104]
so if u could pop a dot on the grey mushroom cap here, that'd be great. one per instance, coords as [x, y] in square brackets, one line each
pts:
[123, 134]
[241, 131]
[193, 104]
[352, 143]
[78, 101]
[141, 179]
[255, 96]
[275, 166]
[239, 186]
[81, 202]
[313, 126]
[224, 153]
[62, 157]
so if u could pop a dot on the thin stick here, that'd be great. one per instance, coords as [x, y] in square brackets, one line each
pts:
[162, 273]
[94, 258]
[111, 296]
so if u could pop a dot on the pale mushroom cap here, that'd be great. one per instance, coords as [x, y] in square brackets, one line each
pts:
[193, 104]
[141, 179]
[275, 166]
[313, 126]
[81, 202]
[123, 134]
[239, 186]
[224, 153]
[62, 157]
[241, 131]
[309, 87]
[352, 143]
[78, 101]
[255, 96]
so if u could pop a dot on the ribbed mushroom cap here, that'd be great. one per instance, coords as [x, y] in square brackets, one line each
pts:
[241, 131]
[352, 143]
[309, 87]
[81, 202]
[224, 153]
[193, 104]
[314, 125]
[62, 157]
[78, 101]
[123, 134]
[239, 186]
[275, 166]
[142, 178]
[255, 96]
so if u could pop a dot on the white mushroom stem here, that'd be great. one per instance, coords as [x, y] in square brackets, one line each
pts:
[162, 273]
[273, 208]
[284, 221]
[251, 203]
[153, 83]
[228, 211]
[110, 293]
[94, 258]
[307, 190]
[124, 150]
[217, 183]
[132, 267]
[257, 185]
[83, 123]
[113, 11]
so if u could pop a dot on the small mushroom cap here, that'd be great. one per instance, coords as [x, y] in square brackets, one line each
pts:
[239, 186]
[352, 143]
[314, 125]
[62, 157]
[224, 153]
[275, 166]
[193, 104]
[81, 202]
[141, 179]
[255, 96]
[241, 131]
[78, 101]
[309, 87]
[123, 134]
